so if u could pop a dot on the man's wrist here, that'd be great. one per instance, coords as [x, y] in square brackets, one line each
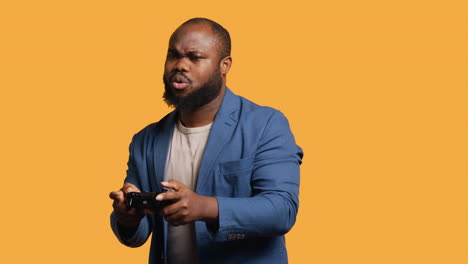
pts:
[211, 213]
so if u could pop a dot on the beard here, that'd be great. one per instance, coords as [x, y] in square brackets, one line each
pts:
[195, 99]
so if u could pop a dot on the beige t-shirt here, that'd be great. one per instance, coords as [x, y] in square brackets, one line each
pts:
[183, 163]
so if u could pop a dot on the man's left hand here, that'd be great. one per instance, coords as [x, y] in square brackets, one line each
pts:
[187, 205]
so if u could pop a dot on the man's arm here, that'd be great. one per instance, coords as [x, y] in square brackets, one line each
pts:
[130, 226]
[275, 185]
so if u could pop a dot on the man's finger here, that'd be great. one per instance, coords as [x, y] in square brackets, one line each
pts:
[168, 196]
[128, 187]
[175, 219]
[172, 184]
[118, 195]
[170, 209]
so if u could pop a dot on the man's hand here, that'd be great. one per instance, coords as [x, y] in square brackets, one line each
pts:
[127, 218]
[187, 205]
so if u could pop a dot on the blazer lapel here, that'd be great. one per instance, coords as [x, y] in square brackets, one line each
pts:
[222, 129]
[161, 143]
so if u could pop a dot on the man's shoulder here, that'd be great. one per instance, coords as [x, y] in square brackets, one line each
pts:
[251, 110]
[153, 128]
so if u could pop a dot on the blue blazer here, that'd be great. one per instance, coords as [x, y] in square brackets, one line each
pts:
[250, 165]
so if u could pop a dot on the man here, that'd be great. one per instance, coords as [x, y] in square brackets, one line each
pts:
[231, 166]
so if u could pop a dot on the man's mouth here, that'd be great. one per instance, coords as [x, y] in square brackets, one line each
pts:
[180, 82]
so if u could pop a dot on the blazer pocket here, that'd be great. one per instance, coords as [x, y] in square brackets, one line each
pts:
[235, 166]
[236, 176]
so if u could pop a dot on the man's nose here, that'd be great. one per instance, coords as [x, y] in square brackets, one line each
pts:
[182, 65]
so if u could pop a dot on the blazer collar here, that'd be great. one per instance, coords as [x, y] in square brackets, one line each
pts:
[223, 127]
[229, 106]
[160, 149]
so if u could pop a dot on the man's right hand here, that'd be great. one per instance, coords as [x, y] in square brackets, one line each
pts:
[127, 218]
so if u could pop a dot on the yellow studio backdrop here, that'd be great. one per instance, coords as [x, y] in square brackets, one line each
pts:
[375, 92]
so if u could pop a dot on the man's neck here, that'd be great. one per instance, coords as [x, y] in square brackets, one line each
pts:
[203, 115]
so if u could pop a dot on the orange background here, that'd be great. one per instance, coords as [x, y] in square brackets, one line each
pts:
[376, 94]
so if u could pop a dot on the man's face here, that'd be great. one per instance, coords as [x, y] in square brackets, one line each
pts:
[192, 76]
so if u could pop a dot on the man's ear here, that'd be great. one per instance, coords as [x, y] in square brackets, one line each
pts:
[225, 65]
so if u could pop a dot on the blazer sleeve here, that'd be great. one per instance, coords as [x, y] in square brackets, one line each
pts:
[272, 209]
[144, 229]
[132, 240]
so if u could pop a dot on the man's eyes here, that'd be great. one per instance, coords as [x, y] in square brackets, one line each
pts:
[195, 57]
[172, 55]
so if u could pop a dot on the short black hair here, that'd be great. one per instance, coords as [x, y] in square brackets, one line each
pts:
[218, 30]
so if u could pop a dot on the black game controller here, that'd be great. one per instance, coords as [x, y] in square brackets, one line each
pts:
[145, 200]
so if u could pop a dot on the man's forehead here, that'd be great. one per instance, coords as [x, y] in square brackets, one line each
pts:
[194, 36]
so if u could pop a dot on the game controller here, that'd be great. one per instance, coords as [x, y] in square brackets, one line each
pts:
[145, 200]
